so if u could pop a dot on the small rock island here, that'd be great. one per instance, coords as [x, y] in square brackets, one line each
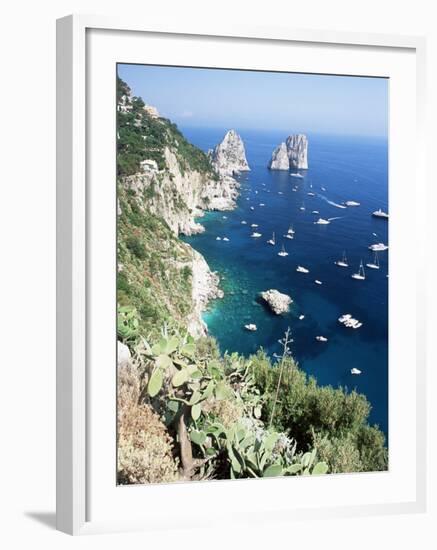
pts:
[292, 153]
[279, 303]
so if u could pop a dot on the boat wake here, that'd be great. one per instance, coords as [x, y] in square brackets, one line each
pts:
[332, 203]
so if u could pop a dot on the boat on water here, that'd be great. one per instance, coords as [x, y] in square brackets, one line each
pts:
[280, 193]
[225, 217]
[296, 175]
[322, 221]
[323, 188]
[318, 282]
[225, 239]
[301, 269]
[315, 212]
[218, 238]
[251, 327]
[352, 203]
[302, 207]
[290, 230]
[311, 194]
[252, 208]
[283, 252]
[255, 235]
[301, 317]
[244, 222]
[261, 204]
[253, 225]
[380, 214]
[321, 338]
[375, 263]
[294, 189]
[343, 261]
[348, 321]
[272, 241]
[378, 247]
[288, 236]
[355, 371]
[360, 275]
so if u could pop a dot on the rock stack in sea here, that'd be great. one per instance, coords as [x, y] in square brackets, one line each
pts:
[279, 303]
[229, 157]
[293, 153]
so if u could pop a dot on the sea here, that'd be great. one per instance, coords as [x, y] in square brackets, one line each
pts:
[341, 168]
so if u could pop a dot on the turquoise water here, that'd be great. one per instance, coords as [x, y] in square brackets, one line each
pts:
[349, 168]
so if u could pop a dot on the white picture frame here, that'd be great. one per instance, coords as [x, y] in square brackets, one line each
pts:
[75, 397]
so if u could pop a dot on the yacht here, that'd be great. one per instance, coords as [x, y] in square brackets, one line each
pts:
[343, 261]
[321, 338]
[301, 317]
[318, 282]
[255, 235]
[323, 188]
[225, 239]
[218, 238]
[301, 269]
[311, 194]
[360, 276]
[250, 327]
[253, 225]
[355, 371]
[378, 247]
[352, 203]
[302, 207]
[244, 222]
[315, 212]
[272, 240]
[375, 263]
[380, 214]
[252, 208]
[261, 204]
[283, 252]
[322, 221]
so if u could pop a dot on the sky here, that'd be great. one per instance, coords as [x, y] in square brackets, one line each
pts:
[292, 102]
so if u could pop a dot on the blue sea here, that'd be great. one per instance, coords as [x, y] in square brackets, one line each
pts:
[348, 168]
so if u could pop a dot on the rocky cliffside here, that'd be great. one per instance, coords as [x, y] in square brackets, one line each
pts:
[164, 183]
[293, 153]
[229, 157]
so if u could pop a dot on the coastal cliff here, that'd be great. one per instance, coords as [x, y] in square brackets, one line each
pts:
[293, 153]
[229, 157]
[164, 183]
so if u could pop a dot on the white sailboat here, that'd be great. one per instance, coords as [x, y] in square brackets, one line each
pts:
[360, 276]
[375, 263]
[291, 230]
[343, 261]
[288, 236]
[283, 252]
[272, 241]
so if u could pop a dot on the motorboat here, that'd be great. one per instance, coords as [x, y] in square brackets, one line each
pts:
[255, 235]
[318, 282]
[355, 371]
[251, 327]
[380, 214]
[378, 247]
[322, 221]
[321, 338]
[301, 269]
[352, 203]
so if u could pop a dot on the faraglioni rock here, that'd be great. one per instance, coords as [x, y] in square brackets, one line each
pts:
[293, 153]
[280, 160]
[229, 157]
[279, 303]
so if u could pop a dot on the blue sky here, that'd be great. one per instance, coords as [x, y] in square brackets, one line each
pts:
[263, 100]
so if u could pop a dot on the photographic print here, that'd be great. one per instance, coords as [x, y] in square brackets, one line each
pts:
[252, 274]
